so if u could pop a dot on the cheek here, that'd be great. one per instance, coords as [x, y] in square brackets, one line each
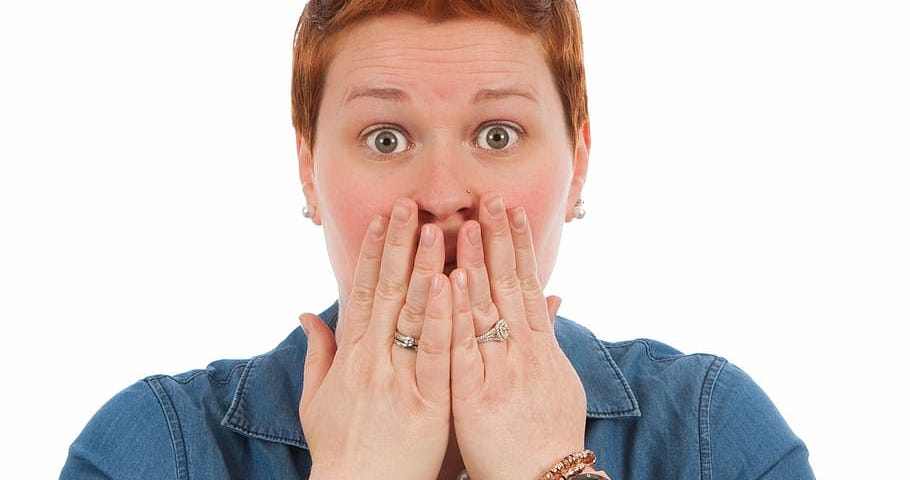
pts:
[347, 203]
[544, 200]
[543, 193]
[546, 226]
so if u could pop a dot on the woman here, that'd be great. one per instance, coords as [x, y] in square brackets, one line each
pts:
[442, 145]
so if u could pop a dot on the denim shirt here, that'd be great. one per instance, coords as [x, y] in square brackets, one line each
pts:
[653, 413]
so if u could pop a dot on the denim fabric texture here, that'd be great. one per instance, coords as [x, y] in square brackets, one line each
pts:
[653, 413]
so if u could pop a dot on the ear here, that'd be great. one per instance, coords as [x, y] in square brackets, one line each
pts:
[307, 174]
[579, 168]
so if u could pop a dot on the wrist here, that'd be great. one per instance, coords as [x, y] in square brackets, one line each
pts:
[333, 474]
[590, 474]
[570, 466]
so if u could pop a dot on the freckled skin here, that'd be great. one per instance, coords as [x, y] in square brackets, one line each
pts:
[439, 68]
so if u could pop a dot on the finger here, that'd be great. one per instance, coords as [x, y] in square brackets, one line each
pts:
[433, 353]
[394, 271]
[320, 354]
[360, 303]
[471, 261]
[499, 255]
[429, 261]
[467, 362]
[526, 270]
[553, 303]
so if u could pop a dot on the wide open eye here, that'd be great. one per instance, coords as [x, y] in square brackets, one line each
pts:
[387, 141]
[497, 137]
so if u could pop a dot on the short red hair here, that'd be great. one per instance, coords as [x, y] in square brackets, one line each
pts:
[555, 21]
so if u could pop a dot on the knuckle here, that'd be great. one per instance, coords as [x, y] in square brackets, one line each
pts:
[371, 254]
[530, 283]
[525, 259]
[432, 347]
[463, 308]
[523, 242]
[486, 310]
[501, 230]
[398, 239]
[410, 312]
[508, 281]
[475, 262]
[390, 289]
[361, 296]
[424, 268]
[465, 344]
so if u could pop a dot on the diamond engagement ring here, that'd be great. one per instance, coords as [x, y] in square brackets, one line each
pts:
[499, 333]
[405, 341]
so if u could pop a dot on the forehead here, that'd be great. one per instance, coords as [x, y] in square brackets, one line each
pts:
[449, 59]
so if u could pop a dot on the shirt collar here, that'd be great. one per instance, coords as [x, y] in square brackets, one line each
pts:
[265, 403]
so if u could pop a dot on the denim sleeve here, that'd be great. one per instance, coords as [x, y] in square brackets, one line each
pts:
[744, 436]
[129, 438]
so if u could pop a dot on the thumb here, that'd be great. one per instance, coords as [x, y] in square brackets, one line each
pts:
[319, 355]
[553, 303]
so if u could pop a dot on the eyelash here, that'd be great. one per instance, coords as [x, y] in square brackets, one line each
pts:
[365, 137]
[499, 123]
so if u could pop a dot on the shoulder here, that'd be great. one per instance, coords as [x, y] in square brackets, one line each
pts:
[743, 433]
[232, 419]
[648, 363]
[128, 437]
[704, 416]
[210, 389]
[655, 371]
[142, 431]
[645, 366]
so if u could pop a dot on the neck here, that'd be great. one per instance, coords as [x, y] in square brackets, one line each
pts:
[452, 464]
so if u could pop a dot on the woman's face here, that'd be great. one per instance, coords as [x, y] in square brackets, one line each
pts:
[441, 113]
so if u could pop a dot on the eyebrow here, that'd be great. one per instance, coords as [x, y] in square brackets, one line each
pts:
[400, 96]
[393, 94]
[491, 94]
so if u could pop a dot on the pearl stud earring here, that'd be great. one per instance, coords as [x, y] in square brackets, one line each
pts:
[579, 211]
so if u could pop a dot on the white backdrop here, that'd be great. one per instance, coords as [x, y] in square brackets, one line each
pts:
[747, 196]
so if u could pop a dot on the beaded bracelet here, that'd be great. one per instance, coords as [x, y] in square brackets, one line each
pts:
[572, 464]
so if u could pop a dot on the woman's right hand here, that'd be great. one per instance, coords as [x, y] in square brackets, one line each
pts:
[369, 408]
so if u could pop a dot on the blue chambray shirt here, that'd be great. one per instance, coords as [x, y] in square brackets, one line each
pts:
[653, 413]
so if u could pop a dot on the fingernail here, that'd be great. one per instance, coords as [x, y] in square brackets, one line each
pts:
[305, 324]
[437, 284]
[474, 234]
[495, 206]
[377, 227]
[400, 212]
[427, 236]
[519, 219]
[461, 280]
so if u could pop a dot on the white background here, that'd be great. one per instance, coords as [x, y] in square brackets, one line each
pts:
[748, 196]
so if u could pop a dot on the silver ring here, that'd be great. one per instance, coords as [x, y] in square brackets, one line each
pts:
[405, 341]
[499, 333]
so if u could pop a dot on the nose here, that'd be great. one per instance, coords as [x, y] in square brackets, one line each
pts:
[442, 191]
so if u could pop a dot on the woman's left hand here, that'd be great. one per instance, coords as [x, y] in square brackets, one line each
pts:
[518, 405]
